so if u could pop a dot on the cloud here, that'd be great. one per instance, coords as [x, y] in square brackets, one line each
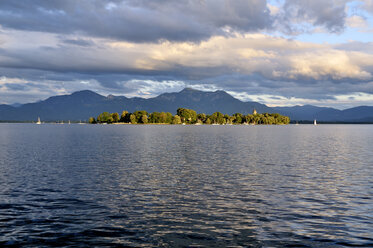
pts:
[182, 20]
[316, 13]
[328, 64]
[356, 21]
[338, 101]
[271, 57]
[143, 48]
[368, 5]
[78, 42]
[251, 63]
[136, 20]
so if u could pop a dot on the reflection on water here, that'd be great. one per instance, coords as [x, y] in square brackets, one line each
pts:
[180, 186]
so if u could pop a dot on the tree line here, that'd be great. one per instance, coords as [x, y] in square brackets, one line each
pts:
[189, 116]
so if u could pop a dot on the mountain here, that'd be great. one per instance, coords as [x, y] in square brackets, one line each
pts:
[309, 112]
[306, 112]
[204, 102]
[83, 104]
[16, 105]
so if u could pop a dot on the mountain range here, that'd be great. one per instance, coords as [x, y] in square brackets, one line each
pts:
[83, 104]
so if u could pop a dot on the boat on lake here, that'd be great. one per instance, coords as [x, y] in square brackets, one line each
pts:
[314, 122]
[38, 122]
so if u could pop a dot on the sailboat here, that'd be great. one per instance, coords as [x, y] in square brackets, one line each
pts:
[314, 122]
[38, 122]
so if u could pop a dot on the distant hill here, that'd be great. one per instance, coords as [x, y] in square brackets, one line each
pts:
[204, 102]
[309, 112]
[83, 104]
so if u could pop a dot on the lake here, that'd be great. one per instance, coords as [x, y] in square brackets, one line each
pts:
[186, 186]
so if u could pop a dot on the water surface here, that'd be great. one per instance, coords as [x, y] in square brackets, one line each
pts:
[186, 186]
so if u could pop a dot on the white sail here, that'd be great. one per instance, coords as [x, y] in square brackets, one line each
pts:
[38, 122]
[314, 122]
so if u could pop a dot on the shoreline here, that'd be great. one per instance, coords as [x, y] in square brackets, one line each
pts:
[186, 124]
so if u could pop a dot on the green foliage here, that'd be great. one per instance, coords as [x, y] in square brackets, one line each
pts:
[190, 116]
[163, 117]
[268, 119]
[187, 115]
[92, 120]
[237, 118]
[133, 119]
[124, 117]
[202, 117]
[138, 114]
[229, 119]
[115, 117]
[176, 120]
[144, 119]
[217, 118]
[105, 117]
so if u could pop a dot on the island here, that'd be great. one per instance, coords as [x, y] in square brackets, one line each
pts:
[189, 116]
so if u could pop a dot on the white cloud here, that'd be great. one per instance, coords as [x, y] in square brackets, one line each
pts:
[152, 88]
[274, 10]
[356, 21]
[339, 101]
[368, 5]
[327, 64]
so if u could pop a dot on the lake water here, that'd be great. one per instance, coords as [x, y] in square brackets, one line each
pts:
[186, 186]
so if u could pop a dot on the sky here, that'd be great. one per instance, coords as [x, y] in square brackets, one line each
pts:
[277, 52]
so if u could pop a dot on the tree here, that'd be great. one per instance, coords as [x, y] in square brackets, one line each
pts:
[237, 118]
[227, 119]
[176, 120]
[162, 117]
[133, 119]
[92, 120]
[138, 114]
[187, 115]
[190, 116]
[154, 117]
[169, 118]
[144, 119]
[124, 117]
[202, 117]
[105, 117]
[217, 118]
[250, 119]
[115, 117]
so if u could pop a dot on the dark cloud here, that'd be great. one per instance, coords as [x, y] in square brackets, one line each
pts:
[329, 14]
[78, 42]
[76, 48]
[256, 85]
[182, 20]
[136, 20]
[19, 86]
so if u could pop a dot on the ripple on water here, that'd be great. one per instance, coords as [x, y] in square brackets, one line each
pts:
[186, 186]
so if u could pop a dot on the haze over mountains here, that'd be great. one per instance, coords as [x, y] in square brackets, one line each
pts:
[83, 104]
